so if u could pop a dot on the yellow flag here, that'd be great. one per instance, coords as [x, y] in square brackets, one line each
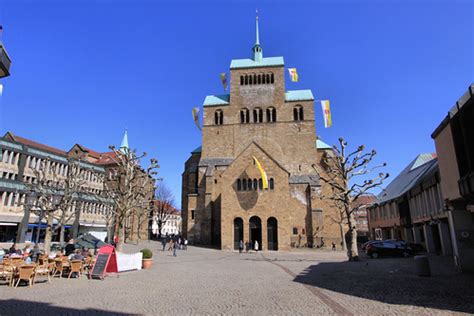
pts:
[293, 74]
[196, 117]
[326, 113]
[262, 173]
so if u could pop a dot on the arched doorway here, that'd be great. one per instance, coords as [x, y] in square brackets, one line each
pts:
[255, 225]
[238, 232]
[272, 233]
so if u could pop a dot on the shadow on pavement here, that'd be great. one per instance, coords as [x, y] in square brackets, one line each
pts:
[393, 281]
[20, 307]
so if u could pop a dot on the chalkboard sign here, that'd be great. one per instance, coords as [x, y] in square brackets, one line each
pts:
[100, 266]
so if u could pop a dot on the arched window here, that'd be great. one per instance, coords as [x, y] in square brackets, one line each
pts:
[298, 113]
[218, 117]
[260, 184]
[250, 79]
[241, 80]
[244, 185]
[271, 184]
[272, 79]
[271, 114]
[249, 184]
[263, 79]
[254, 79]
[244, 116]
[259, 79]
[246, 80]
[268, 78]
[239, 185]
[255, 184]
[257, 115]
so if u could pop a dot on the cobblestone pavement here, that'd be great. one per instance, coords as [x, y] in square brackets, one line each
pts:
[206, 281]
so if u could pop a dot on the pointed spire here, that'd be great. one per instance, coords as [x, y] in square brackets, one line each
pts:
[124, 144]
[257, 49]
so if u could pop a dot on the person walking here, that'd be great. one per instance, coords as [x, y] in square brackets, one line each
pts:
[333, 246]
[256, 245]
[241, 246]
[163, 242]
[175, 246]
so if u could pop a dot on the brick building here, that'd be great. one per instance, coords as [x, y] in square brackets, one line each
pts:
[222, 197]
[363, 203]
[19, 157]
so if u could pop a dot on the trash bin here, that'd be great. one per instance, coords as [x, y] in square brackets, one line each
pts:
[422, 266]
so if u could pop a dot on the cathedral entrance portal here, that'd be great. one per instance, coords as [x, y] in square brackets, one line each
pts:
[255, 225]
[272, 233]
[238, 232]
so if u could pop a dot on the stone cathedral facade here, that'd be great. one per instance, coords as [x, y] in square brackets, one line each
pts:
[223, 200]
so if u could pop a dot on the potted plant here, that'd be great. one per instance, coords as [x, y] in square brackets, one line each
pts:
[147, 258]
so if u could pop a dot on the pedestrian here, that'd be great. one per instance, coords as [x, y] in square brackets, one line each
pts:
[179, 243]
[170, 247]
[12, 249]
[175, 245]
[163, 243]
[256, 245]
[322, 242]
[241, 246]
[185, 244]
[70, 247]
[333, 246]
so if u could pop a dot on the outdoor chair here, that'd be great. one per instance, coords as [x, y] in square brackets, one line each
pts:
[43, 269]
[6, 272]
[75, 267]
[59, 268]
[26, 273]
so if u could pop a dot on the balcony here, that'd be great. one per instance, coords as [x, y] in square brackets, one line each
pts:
[5, 62]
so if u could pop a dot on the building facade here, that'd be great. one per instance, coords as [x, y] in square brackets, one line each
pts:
[20, 157]
[363, 203]
[172, 226]
[454, 141]
[223, 200]
[411, 208]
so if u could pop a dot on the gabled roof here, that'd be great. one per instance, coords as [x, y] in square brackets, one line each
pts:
[31, 143]
[216, 100]
[107, 158]
[298, 95]
[322, 145]
[250, 63]
[409, 177]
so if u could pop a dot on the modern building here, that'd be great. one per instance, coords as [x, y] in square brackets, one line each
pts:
[411, 208]
[454, 140]
[223, 199]
[19, 157]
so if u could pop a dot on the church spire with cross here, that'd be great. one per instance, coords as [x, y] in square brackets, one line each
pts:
[257, 49]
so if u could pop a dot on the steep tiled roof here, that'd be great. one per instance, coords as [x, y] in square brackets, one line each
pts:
[106, 158]
[31, 143]
[409, 177]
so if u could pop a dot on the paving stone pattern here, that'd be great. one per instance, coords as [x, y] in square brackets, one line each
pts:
[205, 281]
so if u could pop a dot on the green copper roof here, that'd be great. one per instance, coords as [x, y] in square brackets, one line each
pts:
[299, 95]
[197, 150]
[322, 145]
[215, 100]
[250, 63]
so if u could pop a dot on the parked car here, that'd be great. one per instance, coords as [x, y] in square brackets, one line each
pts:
[388, 248]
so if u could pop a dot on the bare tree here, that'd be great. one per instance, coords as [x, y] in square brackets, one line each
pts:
[340, 171]
[164, 206]
[52, 195]
[131, 189]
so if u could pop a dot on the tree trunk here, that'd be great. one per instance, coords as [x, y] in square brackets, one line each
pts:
[353, 252]
[121, 237]
[75, 225]
[61, 235]
[48, 234]
[343, 236]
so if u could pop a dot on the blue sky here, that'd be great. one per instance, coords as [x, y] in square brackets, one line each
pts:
[83, 71]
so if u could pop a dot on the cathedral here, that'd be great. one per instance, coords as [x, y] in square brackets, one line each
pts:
[224, 199]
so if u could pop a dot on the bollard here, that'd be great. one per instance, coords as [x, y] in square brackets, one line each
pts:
[422, 266]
